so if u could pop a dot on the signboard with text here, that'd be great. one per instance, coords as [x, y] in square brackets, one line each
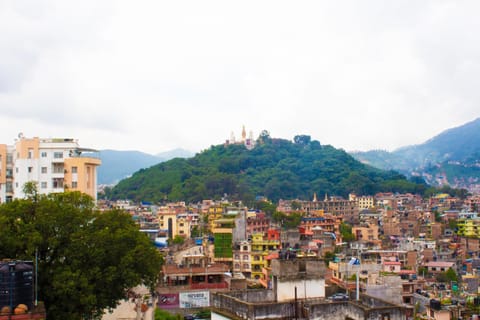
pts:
[168, 301]
[194, 299]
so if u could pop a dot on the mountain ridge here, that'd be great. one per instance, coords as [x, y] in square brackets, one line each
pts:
[458, 146]
[120, 164]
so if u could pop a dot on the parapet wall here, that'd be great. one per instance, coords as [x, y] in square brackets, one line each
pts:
[298, 269]
[232, 306]
[253, 296]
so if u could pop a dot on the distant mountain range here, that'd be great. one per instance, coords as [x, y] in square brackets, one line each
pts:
[452, 158]
[118, 165]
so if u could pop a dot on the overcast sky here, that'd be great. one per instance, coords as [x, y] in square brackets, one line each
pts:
[157, 75]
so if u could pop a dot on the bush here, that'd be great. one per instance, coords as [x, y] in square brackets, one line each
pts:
[161, 314]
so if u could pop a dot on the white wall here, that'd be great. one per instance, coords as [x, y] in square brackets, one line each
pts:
[314, 288]
[216, 316]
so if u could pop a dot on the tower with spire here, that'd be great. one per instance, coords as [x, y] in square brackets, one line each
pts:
[249, 142]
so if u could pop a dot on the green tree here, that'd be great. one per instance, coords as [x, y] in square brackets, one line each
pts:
[346, 232]
[302, 139]
[178, 239]
[293, 220]
[87, 260]
[328, 256]
[451, 275]
[266, 206]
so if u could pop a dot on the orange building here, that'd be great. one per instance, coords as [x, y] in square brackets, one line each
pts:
[54, 164]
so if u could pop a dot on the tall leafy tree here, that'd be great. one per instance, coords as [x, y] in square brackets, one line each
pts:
[87, 259]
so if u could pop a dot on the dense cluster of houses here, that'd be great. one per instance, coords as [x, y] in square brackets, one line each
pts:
[420, 254]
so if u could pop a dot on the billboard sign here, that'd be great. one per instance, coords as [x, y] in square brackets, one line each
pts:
[195, 299]
[168, 300]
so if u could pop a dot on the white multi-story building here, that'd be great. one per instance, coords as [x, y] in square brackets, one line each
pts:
[55, 164]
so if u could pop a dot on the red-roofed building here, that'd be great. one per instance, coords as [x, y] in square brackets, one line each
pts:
[392, 266]
[439, 266]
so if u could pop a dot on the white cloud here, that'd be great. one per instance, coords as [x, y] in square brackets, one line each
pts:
[155, 75]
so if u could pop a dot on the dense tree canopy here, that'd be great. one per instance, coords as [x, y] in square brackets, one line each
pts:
[86, 259]
[275, 168]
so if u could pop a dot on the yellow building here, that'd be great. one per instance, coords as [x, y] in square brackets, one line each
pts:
[469, 228]
[55, 164]
[362, 202]
[260, 249]
[183, 225]
[173, 223]
[215, 212]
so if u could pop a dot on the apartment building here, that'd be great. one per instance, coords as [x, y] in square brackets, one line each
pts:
[363, 202]
[55, 164]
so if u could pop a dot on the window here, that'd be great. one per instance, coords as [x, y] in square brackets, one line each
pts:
[16, 169]
[30, 169]
[57, 183]
[58, 155]
[44, 169]
[30, 153]
[88, 177]
[74, 184]
[44, 154]
[74, 169]
[44, 185]
[245, 257]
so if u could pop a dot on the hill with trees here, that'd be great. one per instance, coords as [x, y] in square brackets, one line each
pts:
[275, 168]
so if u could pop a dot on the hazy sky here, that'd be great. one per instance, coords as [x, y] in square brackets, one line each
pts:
[157, 75]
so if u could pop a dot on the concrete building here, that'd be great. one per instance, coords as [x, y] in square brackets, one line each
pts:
[337, 206]
[298, 292]
[363, 202]
[54, 164]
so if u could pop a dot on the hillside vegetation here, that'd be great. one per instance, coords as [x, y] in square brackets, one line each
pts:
[275, 168]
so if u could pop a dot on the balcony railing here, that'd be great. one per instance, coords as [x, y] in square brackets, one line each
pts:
[203, 285]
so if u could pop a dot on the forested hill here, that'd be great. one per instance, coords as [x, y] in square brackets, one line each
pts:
[275, 168]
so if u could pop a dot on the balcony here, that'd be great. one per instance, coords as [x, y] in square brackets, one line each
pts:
[205, 285]
[57, 183]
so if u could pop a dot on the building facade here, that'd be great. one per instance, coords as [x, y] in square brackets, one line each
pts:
[54, 164]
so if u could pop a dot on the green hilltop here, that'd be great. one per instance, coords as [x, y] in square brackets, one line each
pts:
[275, 168]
